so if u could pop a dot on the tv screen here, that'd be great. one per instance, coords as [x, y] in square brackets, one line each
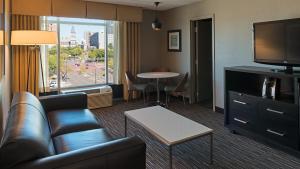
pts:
[277, 42]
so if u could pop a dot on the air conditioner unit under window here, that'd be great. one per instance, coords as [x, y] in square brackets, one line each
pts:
[102, 98]
[98, 97]
[98, 100]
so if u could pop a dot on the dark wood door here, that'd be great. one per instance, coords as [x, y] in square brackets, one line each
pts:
[204, 68]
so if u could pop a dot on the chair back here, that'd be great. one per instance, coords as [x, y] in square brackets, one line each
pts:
[129, 79]
[181, 85]
[161, 69]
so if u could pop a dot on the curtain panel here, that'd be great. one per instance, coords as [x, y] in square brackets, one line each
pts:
[23, 57]
[129, 52]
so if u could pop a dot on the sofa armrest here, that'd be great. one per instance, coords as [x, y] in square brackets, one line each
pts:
[127, 153]
[64, 101]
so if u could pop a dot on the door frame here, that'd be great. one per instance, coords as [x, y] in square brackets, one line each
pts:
[193, 53]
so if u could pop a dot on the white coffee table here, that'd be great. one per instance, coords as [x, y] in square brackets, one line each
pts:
[168, 127]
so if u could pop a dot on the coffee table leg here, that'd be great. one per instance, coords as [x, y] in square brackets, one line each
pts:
[211, 148]
[170, 157]
[125, 126]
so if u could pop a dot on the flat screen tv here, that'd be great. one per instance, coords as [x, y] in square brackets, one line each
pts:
[277, 43]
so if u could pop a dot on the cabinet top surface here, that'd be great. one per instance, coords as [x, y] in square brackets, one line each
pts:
[262, 70]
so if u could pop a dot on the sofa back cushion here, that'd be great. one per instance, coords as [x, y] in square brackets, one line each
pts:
[30, 99]
[26, 137]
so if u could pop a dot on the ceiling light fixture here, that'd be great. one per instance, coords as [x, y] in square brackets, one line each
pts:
[156, 24]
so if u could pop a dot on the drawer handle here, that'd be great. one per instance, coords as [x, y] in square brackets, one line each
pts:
[241, 121]
[275, 111]
[239, 102]
[276, 133]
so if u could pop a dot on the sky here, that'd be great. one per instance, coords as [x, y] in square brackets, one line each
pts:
[65, 29]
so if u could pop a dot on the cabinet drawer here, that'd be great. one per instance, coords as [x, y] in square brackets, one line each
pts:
[287, 135]
[278, 110]
[242, 104]
[279, 122]
[241, 121]
[242, 110]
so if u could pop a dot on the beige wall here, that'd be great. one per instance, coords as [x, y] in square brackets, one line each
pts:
[233, 31]
[150, 47]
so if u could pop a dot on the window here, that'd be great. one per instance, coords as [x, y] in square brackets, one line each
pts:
[84, 56]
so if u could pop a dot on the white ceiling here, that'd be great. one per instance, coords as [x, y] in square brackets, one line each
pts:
[149, 4]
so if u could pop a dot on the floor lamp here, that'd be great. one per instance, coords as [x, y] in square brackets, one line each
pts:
[33, 38]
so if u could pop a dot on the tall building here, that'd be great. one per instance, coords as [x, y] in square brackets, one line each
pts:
[110, 39]
[110, 27]
[65, 41]
[73, 40]
[52, 27]
[87, 37]
[110, 32]
[94, 40]
[102, 40]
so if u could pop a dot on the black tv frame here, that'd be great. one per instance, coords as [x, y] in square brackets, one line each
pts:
[284, 62]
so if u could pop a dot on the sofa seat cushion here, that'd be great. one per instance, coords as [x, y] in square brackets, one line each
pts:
[74, 141]
[67, 121]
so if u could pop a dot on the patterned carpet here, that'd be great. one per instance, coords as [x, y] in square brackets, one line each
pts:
[230, 151]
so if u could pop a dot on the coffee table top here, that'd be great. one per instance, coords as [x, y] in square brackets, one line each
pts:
[169, 127]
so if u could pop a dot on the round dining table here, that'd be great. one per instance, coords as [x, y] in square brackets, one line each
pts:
[157, 76]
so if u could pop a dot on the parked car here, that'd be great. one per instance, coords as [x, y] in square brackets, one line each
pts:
[53, 84]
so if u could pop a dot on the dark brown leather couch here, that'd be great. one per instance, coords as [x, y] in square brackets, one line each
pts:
[60, 132]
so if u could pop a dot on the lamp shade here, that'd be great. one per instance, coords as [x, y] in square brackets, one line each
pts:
[33, 37]
[156, 25]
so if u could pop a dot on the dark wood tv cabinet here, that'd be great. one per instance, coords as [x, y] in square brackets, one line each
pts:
[272, 121]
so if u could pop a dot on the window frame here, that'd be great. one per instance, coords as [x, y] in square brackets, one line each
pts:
[60, 20]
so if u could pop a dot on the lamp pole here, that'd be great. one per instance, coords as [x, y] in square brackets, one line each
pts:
[28, 69]
[42, 68]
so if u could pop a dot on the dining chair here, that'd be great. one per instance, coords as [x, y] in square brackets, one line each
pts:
[177, 90]
[161, 69]
[134, 85]
[163, 82]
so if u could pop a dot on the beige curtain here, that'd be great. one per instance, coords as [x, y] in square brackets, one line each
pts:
[22, 57]
[129, 51]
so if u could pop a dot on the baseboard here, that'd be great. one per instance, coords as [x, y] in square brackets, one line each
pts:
[219, 110]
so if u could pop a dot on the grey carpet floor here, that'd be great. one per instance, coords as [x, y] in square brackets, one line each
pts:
[230, 151]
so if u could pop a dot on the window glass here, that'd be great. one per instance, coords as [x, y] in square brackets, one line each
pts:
[86, 52]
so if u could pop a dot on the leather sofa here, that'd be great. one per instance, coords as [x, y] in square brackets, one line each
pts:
[60, 132]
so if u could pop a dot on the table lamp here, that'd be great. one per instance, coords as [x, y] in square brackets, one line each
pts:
[33, 38]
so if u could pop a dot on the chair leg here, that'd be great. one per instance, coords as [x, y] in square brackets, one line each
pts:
[144, 96]
[147, 96]
[183, 99]
[166, 99]
[128, 97]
